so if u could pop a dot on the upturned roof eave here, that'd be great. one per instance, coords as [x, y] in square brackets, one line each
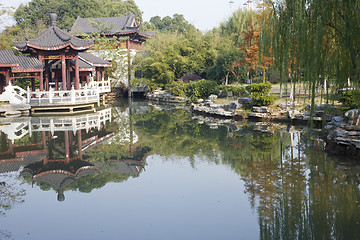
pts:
[55, 48]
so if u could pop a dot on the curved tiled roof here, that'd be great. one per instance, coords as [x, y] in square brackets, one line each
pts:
[93, 60]
[54, 38]
[19, 62]
[112, 24]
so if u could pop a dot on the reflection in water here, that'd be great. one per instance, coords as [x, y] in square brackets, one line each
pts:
[50, 152]
[297, 190]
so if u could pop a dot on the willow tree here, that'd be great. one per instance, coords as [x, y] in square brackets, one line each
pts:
[314, 38]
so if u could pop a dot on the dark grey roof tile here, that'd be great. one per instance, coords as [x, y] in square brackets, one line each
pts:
[93, 60]
[111, 24]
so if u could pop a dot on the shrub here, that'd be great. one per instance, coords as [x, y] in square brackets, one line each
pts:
[350, 99]
[259, 92]
[237, 91]
[177, 88]
[144, 81]
[200, 89]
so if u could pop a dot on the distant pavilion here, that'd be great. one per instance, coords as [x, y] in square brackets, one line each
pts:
[119, 27]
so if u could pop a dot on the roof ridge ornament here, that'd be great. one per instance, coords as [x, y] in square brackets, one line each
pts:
[53, 17]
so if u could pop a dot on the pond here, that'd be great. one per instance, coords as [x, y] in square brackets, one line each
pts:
[139, 170]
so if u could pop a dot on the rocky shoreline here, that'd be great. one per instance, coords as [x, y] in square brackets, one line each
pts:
[342, 132]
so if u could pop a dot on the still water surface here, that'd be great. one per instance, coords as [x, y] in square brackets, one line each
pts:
[146, 171]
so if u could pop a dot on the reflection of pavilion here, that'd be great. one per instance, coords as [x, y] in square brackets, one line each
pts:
[50, 151]
[59, 174]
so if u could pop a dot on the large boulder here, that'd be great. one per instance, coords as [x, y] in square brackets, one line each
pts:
[352, 114]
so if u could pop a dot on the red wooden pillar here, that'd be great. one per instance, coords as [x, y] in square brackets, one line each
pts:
[68, 76]
[7, 77]
[43, 140]
[63, 71]
[102, 74]
[87, 79]
[33, 84]
[41, 75]
[97, 74]
[77, 73]
[67, 149]
[11, 146]
[79, 143]
[47, 75]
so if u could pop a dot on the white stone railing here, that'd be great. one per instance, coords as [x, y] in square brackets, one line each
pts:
[17, 130]
[83, 122]
[84, 95]
[14, 95]
[103, 86]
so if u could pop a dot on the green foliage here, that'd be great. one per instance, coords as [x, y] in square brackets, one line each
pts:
[314, 38]
[236, 25]
[200, 89]
[259, 92]
[144, 82]
[27, 16]
[350, 99]
[236, 90]
[177, 88]
[171, 55]
[176, 23]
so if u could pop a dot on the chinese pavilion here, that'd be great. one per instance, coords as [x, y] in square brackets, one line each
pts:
[123, 27]
[62, 67]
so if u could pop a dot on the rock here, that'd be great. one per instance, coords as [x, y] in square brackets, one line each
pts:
[288, 105]
[352, 128]
[245, 101]
[292, 114]
[213, 97]
[337, 119]
[261, 109]
[352, 114]
[208, 102]
[232, 106]
[257, 115]
[215, 106]
[238, 112]
[200, 100]
[340, 133]
[322, 106]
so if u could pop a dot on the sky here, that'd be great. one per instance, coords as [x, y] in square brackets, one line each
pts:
[203, 14]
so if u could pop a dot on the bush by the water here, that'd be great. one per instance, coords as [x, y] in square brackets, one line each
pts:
[177, 88]
[259, 92]
[237, 91]
[200, 89]
[350, 99]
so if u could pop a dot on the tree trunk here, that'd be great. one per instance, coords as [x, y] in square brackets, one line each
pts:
[227, 79]
[264, 78]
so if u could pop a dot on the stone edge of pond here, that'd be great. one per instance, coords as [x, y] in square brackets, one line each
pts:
[342, 132]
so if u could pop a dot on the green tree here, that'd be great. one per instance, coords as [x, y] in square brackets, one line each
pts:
[176, 23]
[28, 15]
[171, 55]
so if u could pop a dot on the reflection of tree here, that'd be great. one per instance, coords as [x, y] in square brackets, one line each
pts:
[302, 198]
[10, 194]
[176, 133]
[4, 234]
